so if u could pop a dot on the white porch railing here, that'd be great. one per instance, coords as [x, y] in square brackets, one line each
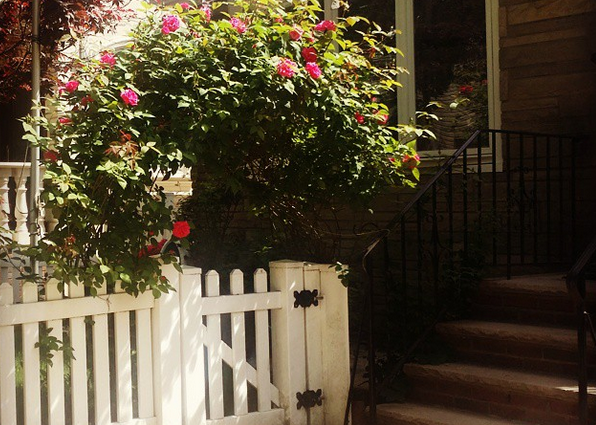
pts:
[194, 356]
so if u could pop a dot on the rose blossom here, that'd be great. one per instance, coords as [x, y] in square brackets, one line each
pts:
[296, 33]
[382, 119]
[467, 89]
[170, 24]
[359, 118]
[207, 11]
[238, 25]
[413, 160]
[325, 26]
[286, 68]
[181, 229]
[309, 54]
[50, 156]
[108, 59]
[185, 6]
[313, 69]
[71, 86]
[64, 120]
[86, 100]
[129, 97]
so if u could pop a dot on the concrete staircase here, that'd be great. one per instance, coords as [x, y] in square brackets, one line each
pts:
[517, 362]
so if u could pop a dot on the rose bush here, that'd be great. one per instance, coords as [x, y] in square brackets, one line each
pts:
[272, 102]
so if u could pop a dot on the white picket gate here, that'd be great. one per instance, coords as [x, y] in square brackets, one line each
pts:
[192, 357]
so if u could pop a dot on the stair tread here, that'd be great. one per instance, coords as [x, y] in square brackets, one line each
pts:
[502, 330]
[513, 380]
[421, 414]
[546, 283]
[551, 284]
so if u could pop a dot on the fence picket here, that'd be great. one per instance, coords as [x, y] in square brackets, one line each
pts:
[101, 364]
[56, 409]
[144, 364]
[167, 352]
[79, 363]
[314, 341]
[262, 347]
[213, 339]
[8, 397]
[193, 353]
[31, 378]
[239, 348]
[123, 363]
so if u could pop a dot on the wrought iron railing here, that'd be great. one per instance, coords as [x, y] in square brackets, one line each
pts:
[576, 285]
[503, 200]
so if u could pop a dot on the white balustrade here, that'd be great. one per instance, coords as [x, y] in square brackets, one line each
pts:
[14, 205]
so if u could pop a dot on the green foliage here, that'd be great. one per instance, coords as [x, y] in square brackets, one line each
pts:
[236, 103]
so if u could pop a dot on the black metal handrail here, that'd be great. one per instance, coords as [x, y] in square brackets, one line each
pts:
[576, 285]
[517, 192]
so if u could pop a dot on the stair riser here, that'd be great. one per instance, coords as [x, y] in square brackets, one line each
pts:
[495, 401]
[518, 315]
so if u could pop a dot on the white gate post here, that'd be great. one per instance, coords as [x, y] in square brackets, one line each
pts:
[166, 349]
[288, 339]
[336, 345]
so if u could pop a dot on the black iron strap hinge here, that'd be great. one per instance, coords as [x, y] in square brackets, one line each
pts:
[309, 398]
[306, 298]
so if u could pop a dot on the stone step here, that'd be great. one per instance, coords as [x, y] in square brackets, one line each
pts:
[549, 349]
[421, 414]
[505, 393]
[538, 299]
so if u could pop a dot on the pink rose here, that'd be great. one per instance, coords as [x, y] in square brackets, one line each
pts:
[309, 54]
[413, 161]
[296, 33]
[313, 69]
[129, 97]
[238, 25]
[170, 24]
[185, 6]
[279, 19]
[286, 68]
[207, 11]
[71, 86]
[108, 59]
[325, 26]
[359, 118]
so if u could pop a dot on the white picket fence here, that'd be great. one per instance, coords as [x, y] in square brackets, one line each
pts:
[193, 356]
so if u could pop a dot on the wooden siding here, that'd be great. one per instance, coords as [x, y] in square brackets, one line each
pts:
[548, 79]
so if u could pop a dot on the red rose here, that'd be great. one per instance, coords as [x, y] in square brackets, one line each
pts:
[309, 54]
[50, 156]
[359, 118]
[181, 229]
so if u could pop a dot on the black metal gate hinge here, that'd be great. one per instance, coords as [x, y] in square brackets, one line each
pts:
[306, 298]
[309, 398]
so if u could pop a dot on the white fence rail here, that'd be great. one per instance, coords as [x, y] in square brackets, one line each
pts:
[217, 353]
